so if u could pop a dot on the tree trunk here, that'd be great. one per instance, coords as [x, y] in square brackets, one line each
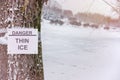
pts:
[20, 13]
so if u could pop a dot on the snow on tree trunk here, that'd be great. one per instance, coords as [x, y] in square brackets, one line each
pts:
[20, 13]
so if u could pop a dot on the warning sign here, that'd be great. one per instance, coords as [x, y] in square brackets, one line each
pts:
[22, 41]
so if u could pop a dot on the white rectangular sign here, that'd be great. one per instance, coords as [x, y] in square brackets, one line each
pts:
[22, 41]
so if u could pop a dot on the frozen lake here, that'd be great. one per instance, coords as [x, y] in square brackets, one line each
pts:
[80, 54]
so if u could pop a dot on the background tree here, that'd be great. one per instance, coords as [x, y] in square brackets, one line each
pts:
[115, 7]
[118, 7]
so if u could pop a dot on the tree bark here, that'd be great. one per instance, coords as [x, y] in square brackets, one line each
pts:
[21, 13]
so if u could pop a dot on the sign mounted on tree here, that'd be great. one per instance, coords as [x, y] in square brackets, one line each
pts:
[22, 41]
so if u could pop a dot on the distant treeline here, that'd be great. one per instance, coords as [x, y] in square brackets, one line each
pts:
[56, 15]
[93, 18]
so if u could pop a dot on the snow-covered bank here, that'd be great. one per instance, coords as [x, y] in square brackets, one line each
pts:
[80, 53]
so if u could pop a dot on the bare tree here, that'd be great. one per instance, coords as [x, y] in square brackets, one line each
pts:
[115, 7]
[118, 7]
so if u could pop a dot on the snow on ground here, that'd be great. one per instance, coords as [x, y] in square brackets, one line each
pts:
[80, 53]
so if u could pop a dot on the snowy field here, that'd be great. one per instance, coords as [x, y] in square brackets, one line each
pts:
[80, 53]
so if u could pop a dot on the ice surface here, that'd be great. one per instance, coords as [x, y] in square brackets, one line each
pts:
[80, 53]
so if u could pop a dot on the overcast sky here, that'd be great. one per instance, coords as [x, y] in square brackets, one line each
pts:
[95, 6]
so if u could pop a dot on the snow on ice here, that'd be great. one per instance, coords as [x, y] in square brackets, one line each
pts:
[80, 53]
